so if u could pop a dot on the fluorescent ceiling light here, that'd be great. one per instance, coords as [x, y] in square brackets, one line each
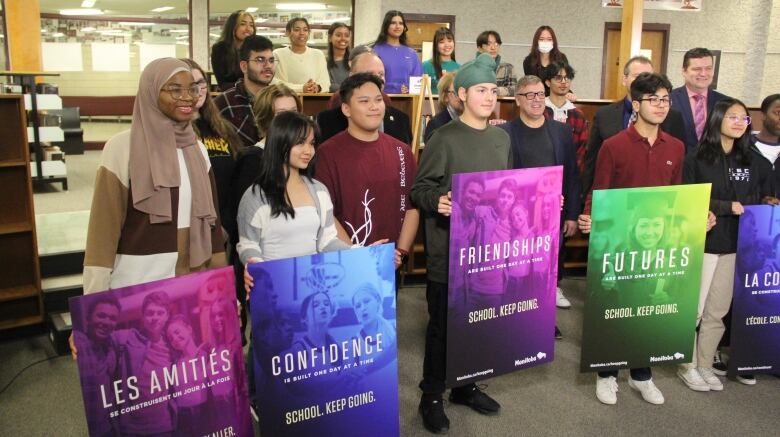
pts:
[183, 37]
[83, 11]
[133, 23]
[58, 35]
[43, 31]
[87, 29]
[87, 3]
[163, 9]
[301, 6]
[260, 20]
[178, 30]
[251, 10]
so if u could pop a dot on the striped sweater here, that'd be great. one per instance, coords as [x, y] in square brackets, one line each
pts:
[123, 247]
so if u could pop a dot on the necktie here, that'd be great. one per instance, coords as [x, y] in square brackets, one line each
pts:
[699, 115]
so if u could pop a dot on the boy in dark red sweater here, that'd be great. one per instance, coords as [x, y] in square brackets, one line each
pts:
[642, 155]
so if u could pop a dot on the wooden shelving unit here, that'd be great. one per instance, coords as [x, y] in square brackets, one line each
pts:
[21, 301]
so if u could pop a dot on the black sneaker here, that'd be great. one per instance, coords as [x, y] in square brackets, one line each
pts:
[558, 333]
[719, 367]
[432, 412]
[471, 396]
[747, 379]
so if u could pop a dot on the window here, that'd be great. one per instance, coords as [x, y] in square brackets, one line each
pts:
[103, 55]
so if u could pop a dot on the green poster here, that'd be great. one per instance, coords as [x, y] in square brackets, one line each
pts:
[644, 268]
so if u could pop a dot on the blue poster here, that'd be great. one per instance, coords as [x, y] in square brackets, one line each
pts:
[755, 314]
[325, 345]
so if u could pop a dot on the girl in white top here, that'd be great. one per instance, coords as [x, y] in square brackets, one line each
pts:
[286, 213]
[298, 66]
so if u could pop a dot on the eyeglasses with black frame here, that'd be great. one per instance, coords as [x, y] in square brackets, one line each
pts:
[656, 101]
[560, 78]
[530, 96]
[180, 93]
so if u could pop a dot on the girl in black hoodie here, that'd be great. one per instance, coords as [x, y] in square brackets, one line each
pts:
[723, 158]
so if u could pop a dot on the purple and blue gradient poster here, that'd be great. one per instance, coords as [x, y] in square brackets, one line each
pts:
[503, 266]
[163, 358]
[755, 314]
[325, 344]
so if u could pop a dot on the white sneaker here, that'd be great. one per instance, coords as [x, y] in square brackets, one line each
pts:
[692, 378]
[560, 299]
[649, 391]
[710, 379]
[606, 390]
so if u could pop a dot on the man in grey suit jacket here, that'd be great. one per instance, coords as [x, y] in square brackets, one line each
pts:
[698, 72]
[613, 118]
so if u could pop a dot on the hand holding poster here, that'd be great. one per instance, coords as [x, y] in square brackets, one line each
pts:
[644, 268]
[503, 264]
[325, 346]
[755, 314]
[163, 357]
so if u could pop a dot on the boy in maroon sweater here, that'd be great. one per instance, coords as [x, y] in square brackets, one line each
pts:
[640, 156]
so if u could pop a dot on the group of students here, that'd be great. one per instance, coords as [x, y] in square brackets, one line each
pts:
[198, 181]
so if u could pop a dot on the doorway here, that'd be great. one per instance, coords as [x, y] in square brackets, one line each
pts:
[654, 45]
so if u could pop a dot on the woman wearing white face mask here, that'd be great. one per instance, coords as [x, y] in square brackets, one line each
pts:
[544, 50]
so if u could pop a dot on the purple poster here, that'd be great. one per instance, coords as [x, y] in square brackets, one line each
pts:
[755, 314]
[325, 346]
[503, 266]
[163, 358]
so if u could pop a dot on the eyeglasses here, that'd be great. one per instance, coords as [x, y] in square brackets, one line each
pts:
[656, 101]
[202, 84]
[492, 44]
[181, 93]
[738, 118]
[263, 60]
[560, 78]
[531, 96]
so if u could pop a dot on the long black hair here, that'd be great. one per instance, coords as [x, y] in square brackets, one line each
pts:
[287, 130]
[228, 38]
[382, 37]
[710, 148]
[440, 34]
[331, 60]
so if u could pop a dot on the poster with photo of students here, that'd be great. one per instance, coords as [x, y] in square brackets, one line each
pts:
[503, 266]
[325, 346]
[755, 313]
[163, 358]
[645, 255]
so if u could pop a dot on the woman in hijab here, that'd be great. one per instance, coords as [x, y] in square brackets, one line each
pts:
[153, 210]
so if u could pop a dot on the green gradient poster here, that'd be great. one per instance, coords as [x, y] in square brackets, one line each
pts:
[644, 268]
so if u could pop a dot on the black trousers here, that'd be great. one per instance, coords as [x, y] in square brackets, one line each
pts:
[435, 361]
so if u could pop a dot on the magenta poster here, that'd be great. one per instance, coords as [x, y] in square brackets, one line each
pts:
[503, 266]
[163, 358]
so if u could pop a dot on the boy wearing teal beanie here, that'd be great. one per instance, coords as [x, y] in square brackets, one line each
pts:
[469, 144]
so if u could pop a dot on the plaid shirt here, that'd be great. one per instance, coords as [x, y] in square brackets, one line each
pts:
[235, 105]
[579, 126]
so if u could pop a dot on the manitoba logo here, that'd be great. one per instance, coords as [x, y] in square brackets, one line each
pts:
[531, 359]
[676, 356]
